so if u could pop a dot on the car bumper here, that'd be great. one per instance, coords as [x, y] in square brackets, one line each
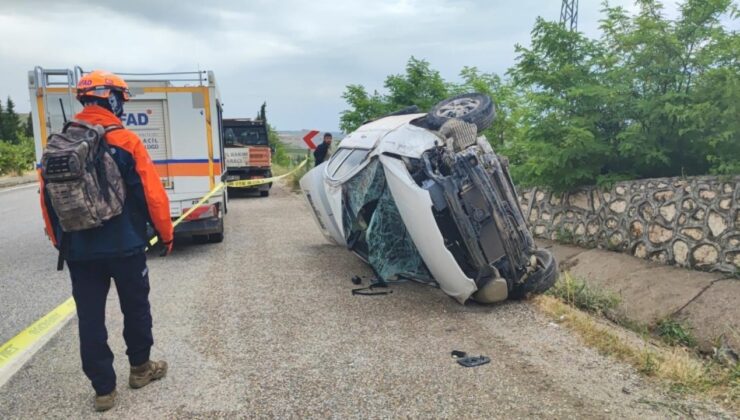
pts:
[199, 227]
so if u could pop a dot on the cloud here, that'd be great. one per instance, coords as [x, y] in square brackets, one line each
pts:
[296, 55]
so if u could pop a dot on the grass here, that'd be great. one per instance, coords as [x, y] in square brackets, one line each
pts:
[565, 236]
[577, 293]
[673, 333]
[293, 180]
[577, 306]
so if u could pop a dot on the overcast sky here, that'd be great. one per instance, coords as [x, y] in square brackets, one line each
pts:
[296, 55]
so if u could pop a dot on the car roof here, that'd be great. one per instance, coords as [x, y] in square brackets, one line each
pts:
[368, 135]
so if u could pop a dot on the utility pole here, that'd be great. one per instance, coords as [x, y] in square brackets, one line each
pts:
[569, 14]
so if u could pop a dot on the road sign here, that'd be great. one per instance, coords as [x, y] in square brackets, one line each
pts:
[307, 138]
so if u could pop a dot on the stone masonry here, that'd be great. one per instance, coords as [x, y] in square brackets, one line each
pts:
[691, 222]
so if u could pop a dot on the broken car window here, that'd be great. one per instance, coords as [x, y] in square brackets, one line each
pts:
[374, 228]
[351, 162]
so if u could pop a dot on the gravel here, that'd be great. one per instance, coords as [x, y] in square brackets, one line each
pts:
[264, 325]
[29, 283]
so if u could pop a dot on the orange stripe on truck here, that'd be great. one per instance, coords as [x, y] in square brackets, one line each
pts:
[187, 169]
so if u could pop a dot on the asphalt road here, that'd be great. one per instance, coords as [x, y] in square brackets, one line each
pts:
[265, 325]
[30, 286]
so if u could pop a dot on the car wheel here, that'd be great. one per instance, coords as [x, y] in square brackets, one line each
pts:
[215, 238]
[264, 193]
[474, 108]
[540, 280]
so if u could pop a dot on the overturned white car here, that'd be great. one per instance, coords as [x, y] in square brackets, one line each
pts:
[423, 197]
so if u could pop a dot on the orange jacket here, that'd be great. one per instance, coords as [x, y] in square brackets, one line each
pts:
[157, 202]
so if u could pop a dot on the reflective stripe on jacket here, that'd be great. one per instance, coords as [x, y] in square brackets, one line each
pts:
[146, 200]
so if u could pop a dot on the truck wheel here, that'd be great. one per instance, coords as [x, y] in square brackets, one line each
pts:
[217, 237]
[474, 108]
[264, 193]
[539, 281]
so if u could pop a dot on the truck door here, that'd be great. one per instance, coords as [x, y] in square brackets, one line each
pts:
[148, 119]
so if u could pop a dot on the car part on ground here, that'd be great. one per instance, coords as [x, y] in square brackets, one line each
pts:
[433, 205]
[464, 360]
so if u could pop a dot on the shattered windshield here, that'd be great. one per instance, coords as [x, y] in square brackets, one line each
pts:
[346, 165]
[373, 226]
[336, 160]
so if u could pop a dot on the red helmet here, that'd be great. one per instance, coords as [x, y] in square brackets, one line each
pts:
[100, 84]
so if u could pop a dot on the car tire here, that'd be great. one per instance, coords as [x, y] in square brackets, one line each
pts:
[474, 108]
[264, 193]
[540, 280]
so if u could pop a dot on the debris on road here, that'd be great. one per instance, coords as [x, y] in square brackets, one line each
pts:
[375, 283]
[464, 360]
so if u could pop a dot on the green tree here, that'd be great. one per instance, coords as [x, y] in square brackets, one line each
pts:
[262, 114]
[662, 63]
[363, 107]
[570, 131]
[28, 128]
[420, 85]
[10, 123]
[508, 124]
[650, 97]
[2, 123]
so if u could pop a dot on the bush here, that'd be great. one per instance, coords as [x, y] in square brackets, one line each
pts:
[675, 333]
[15, 159]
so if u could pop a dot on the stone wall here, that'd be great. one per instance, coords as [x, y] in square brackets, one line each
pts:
[691, 222]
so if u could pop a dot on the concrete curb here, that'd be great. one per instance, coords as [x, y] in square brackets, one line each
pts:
[650, 292]
[15, 181]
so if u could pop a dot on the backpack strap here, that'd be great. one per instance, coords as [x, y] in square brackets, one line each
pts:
[114, 127]
[76, 123]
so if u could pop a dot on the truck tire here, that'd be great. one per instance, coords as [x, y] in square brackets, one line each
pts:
[539, 281]
[217, 237]
[474, 108]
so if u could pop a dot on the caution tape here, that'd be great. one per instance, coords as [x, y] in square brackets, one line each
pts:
[18, 349]
[246, 183]
[25, 340]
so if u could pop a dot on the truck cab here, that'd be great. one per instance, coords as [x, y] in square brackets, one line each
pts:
[247, 151]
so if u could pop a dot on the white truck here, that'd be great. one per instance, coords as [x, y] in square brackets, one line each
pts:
[177, 116]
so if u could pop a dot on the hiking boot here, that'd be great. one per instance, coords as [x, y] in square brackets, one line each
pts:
[150, 371]
[105, 402]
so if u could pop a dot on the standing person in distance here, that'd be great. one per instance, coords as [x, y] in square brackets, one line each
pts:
[322, 151]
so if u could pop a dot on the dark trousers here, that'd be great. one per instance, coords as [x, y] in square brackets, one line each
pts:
[90, 285]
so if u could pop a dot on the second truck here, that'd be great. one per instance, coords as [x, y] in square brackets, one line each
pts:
[247, 152]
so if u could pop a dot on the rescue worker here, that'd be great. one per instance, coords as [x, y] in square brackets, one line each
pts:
[322, 151]
[116, 249]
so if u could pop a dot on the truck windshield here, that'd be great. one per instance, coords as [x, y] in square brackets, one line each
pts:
[245, 136]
